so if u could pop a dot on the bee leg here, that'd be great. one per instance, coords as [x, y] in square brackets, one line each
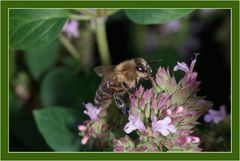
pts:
[129, 90]
[132, 90]
[119, 100]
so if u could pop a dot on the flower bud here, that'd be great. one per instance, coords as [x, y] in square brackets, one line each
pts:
[82, 128]
[84, 140]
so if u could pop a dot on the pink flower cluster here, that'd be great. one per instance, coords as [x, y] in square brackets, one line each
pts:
[163, 117]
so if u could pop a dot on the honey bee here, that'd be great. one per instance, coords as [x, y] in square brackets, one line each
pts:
[119, 81]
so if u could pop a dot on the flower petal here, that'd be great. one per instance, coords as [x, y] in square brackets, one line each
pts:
[163, 131]
[128, 128]
[181, 66]
[92, 111]
[167, 120]
[172, 128]
[208, 118]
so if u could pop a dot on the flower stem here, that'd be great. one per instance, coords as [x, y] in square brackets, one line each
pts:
[81, 17]
[111, 12]
[102, 41]
[86, 12]
[73, 51]
[68, 45]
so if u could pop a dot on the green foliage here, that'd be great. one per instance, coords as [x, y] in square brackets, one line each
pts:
[62, 86]
[58, 126]
[63, 83]
[34, 28]
[155, 16]
[40, 60]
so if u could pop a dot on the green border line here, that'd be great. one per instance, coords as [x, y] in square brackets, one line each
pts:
[234, 155]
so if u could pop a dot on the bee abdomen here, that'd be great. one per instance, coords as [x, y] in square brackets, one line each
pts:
[104, 95]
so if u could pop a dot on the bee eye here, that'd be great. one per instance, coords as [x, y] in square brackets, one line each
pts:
[140, 69]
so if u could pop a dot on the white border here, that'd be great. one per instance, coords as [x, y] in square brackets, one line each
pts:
[125, 152]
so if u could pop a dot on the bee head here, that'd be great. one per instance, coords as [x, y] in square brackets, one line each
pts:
[142, 68]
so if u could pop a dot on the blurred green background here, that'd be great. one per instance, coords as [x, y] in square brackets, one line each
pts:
[51, 76]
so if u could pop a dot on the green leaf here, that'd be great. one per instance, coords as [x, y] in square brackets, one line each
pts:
[34, 28]
[155, 16]
[58, 126]
[63, 87]
[39, 61]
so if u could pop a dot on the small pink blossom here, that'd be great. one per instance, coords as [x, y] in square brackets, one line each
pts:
[169, 112]
[119, 148]
[71, 29]
[139, 92]
[190, 75]
[186, 140]
[171, 27]
[85, 139]
[163, 126]
[23, 92]
[195, 139]
[147, 94]
[92, 111]
[178, 111]
[215, 115]
[162, 76]
[134, 103]
[163, 100]
[181, 66]
[183, 140]
[142, 103]
[154, 102]
[82, 128]
[134, 123]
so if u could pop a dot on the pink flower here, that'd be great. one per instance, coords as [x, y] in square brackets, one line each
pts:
[134, 102]
[92, 111]
[195, 139]
[85, 139]
[148, 94]
[163, 100]
[190, 75]
[183, 140]
[119, 148]
[163, 126]
[162, 76]
[171, 27]
[186, 140]
[215, 115]
[177, 111]
[82, 128]
[134, 123]
[181, 66]
[154, 102]
[139, 92]
[71, 29]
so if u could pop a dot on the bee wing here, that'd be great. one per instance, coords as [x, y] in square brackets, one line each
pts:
[103, 70]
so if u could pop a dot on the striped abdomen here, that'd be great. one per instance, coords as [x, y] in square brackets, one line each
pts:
[104, 94]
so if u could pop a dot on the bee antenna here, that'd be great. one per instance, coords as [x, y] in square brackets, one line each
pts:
[155, 61]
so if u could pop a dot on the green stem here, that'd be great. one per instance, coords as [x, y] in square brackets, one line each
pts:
[73, 51]
[86, 12]
[111, 12]
[102, 41]
[68, 45]
[80, 17]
